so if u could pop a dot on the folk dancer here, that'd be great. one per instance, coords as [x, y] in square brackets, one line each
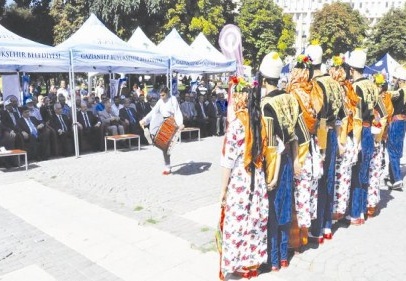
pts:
[347, 124]
[368, 92]
[328, 142]
[305, 184]
[382, 114]
[396, 131]
[166, 107]
[281, 112]
[243, 195]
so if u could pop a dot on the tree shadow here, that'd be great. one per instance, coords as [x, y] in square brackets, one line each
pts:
[191, 168]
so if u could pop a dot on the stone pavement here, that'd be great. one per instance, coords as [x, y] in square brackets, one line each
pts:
[113, 216]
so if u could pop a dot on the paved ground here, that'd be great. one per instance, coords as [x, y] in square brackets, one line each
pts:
[113, 216]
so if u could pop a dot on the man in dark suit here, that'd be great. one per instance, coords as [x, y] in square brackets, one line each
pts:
[9, 123]
[90, 129]
[143, 108]
[213, 114]
[131, 120]
[35, 135]
[201, 118]
[63, 127]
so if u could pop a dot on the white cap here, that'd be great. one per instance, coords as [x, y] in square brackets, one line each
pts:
[28, 100]
[271, 66]
[315, 52]
[358, 58]
[400, 73]
[7, 102]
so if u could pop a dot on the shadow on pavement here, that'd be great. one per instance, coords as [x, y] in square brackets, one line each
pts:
[191, 168]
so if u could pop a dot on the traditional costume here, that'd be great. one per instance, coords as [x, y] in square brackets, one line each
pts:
[281, 112]
[382, 114]
[396, 131]
[327, 140]
[368, 92]
[244, 229]
[348, 152]
[308, 96]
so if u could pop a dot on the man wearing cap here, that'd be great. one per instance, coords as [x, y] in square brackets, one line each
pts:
[9, 123]
[368, 92]
[396, 131]
[328, 143]
[34, 111]
[7, 136]
[281, 114]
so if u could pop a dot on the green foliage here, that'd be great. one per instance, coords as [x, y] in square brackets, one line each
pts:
[338, 28]
[264, 29]
[69, 17]
[123, 17]
[287, 38]
[2, 6]
[22, 3]
[389, 36]
[192, 17]
[31, 22]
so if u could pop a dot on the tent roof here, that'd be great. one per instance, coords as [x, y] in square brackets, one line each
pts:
[174, 45]
[202, 45]
[386, 65]
[140, 41]
[186, 59]
[95, 48]
[21, 54]
[93, 33]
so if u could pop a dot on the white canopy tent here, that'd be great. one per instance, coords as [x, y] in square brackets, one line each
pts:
[203, 46]
[140, 41]
[185, 59]
[94, 48]
[18, 54]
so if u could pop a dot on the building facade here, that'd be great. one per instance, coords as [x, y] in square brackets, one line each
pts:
[302, 12]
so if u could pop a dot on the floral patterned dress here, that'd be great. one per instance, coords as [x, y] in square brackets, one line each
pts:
[343, 175]
[375, 176]
[245, 223]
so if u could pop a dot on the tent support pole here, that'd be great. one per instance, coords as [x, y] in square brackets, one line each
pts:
[73, 104]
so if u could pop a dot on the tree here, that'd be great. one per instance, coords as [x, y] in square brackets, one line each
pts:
[23, 3]
[68, 15]
[264, 29]
[287, 38]
[30, 20]
[192, 17]
[2, 6]
[389, 36]
[338, 28]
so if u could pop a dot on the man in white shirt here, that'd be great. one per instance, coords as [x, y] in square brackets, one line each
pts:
[116, 106]
[166, 107]
[65, 92]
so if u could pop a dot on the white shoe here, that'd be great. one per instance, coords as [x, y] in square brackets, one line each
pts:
[397, 185]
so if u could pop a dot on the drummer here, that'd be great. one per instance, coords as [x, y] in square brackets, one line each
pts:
[167, 106]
